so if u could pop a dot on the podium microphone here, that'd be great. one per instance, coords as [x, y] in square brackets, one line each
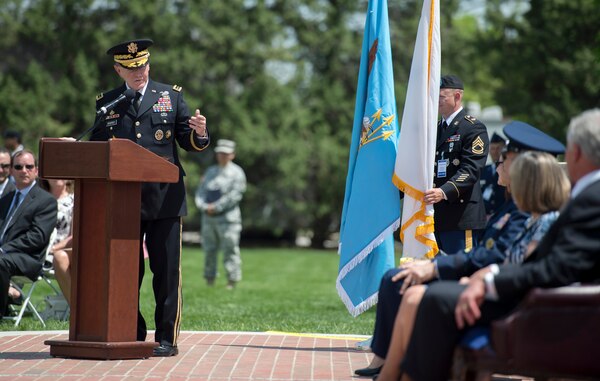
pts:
[128, 95]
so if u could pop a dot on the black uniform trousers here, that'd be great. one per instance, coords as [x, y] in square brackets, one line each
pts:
[435, 335]
[387, 309]
[163, 241]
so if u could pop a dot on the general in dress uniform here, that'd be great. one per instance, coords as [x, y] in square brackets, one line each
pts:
[159, 120]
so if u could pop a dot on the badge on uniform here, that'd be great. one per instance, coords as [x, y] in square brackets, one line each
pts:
[489, 244]
[456, 162]
[501, 222]
[453, 138]
[159, 134]
[168, 134]
[478, 146]
[442, 165]
[163, 104]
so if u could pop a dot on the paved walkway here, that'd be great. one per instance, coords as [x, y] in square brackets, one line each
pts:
[202, 356]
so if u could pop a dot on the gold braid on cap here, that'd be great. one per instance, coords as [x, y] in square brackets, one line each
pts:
[130, 60]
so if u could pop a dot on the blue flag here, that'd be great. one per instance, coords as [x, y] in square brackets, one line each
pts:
[371, 209]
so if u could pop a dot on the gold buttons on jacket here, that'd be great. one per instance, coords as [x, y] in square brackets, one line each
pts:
[137, 123]
[139, 136]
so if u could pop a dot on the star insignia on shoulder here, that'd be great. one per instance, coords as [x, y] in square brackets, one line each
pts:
[177, 88]
[471, 119]
[99, 96]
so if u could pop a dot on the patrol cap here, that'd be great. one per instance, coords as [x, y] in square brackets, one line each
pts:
[451, 82]
[496, 138]
[225, 146]
[524, 137]
[131, 54]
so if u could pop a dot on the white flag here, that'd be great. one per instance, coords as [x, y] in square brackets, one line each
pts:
[415, 157]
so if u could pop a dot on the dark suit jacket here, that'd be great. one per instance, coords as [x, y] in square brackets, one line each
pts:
[8, 188]
[568, 253]
[465, 146]
[29, 230]
[161, 120]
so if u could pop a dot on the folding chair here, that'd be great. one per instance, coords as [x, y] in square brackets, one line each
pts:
[26, 287]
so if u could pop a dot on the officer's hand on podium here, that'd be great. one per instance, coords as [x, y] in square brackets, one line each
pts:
[198, 124]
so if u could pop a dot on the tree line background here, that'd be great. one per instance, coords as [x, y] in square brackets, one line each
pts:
[279, 77]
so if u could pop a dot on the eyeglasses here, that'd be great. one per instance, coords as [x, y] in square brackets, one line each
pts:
[499, 162]
[5, 166]
[18, 167]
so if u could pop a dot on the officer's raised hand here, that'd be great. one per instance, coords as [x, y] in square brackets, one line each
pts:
[198, 123]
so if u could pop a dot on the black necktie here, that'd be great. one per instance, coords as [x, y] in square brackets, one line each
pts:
[137, 101]
[444, 125]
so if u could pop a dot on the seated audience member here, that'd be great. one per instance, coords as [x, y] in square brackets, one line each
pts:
[567, 254]
[27, 218]
[540, 187]
[60, 249]
[492, 192]
[6, 186]
[500, 232]
[12, 141]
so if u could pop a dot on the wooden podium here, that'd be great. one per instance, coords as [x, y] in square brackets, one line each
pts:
[106, 235]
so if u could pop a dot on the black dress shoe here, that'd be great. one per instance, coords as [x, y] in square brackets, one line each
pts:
[368, 372]
[165, 351]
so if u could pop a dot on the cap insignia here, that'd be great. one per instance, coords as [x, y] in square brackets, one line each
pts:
[478, 146]
[132, 48]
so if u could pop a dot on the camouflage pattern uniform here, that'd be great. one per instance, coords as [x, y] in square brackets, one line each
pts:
[222, 187]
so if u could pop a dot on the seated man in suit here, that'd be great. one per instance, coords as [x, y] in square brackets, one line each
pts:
[27, 218]
[6, 186]
[567, 254]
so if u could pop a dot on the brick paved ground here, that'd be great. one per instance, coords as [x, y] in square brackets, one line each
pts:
[203, 356]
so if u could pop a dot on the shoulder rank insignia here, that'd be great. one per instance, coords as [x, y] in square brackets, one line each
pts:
[478, 146]
[471, 119]
[177, 88]
[99, 96]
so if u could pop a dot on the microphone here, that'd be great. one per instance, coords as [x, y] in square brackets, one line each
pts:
[128, 95]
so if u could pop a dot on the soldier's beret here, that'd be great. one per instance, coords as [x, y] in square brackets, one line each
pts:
[524, 137]
[496, 138]
[451, 82]
[131, 54]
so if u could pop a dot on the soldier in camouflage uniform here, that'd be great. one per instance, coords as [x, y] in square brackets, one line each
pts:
[218, 198]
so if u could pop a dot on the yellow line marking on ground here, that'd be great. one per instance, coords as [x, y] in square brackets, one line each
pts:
[319, 336]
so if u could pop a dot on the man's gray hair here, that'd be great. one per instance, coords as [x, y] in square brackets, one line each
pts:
[584, 130]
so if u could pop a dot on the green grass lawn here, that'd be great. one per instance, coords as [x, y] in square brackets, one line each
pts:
[290, 290]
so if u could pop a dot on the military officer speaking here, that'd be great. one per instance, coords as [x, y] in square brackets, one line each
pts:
[155, 118]
[461, 151]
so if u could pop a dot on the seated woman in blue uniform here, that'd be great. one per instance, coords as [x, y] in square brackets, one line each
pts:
[501, 230]
[540, 187]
